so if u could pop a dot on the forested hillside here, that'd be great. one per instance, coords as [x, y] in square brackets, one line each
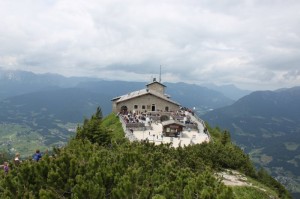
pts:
[267, 125]
[45, 118]
[100, 163]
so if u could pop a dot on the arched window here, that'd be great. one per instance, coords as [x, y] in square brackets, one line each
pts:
[124, 110]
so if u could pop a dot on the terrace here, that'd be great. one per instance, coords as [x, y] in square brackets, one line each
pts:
[181, 128]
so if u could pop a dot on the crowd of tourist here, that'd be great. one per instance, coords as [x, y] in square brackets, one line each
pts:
[187, 109]
[143, 117]
[130, 117]
[181, 115]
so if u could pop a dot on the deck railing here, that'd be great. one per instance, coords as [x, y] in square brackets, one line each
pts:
[203, 123]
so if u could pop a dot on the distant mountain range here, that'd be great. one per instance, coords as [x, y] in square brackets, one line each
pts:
[41, 109]
[229, 90]
[14, 83]
[65, 105]
[188, 95]
[267, 125]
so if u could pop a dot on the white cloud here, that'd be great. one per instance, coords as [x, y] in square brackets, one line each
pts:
[251, 43]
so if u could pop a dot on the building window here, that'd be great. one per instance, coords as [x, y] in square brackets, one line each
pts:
[153, 108]
[143, 107]
[148, 107]
[135, 106]
[166, 108]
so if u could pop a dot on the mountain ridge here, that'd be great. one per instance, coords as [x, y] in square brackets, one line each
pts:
[44, 114]
[267, 125]
[229, 90]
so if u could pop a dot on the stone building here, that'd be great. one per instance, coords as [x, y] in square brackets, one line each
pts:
[152, 98]
[172, 128]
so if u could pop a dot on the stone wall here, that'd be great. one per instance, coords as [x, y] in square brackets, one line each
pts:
[157, 87]
[146, 103]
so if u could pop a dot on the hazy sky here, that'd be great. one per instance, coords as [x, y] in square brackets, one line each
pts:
[253, 44]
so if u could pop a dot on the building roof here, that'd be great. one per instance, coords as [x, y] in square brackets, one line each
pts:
[142, 92]
[168, 122]
[156, 82]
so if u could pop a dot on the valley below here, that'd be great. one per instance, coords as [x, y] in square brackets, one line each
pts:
[267, 126]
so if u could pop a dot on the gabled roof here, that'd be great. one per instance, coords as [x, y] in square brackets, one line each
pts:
[168, 122]
[155, 82]
[142, 92]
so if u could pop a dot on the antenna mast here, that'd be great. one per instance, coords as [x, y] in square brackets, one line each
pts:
[159, 73]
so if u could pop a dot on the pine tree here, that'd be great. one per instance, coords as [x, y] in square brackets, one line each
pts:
[226, 138]
[93, 131]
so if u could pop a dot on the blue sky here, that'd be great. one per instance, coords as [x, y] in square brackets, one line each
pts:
[252, 44]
